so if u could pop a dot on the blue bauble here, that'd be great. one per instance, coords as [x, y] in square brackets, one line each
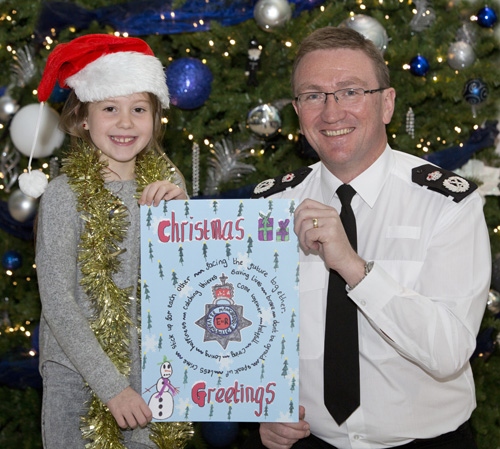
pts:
[419, 66]
[475, 91]
[219, 434]
[59, 94]
[486, 17]
[189, 83]
[11, 260]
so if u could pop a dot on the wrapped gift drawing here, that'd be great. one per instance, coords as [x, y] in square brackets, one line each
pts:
[283, 234]
[265, 227]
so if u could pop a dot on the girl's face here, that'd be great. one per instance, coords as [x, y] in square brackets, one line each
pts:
[121, 128]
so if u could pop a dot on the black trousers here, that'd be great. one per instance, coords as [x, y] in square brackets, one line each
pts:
[462, 438]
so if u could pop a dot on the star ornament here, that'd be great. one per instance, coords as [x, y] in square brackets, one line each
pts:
[223, 323]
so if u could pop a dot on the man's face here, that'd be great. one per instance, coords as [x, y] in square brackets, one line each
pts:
[348, 138]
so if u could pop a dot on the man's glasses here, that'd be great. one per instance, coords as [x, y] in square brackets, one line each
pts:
[349, 97]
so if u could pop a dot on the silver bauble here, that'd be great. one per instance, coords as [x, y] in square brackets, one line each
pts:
[493, 303]
[370, 28]
[460, 55]
[8, 107]
[264, 120]
[270, 14]
[22, 207]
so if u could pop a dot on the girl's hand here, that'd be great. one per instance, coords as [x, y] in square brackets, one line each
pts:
[129, 409]
[158, 191]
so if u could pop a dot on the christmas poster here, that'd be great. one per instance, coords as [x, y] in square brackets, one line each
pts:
[220, 310]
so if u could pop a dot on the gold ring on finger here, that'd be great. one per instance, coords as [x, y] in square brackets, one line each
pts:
[315, 222]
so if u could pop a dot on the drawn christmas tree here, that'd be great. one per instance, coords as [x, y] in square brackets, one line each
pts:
[270, 205]
[297, 346]
[291, 209]
[219, 380]
[186, 208]
[211, 413]
[266, 411]
[229, 412]
[147, 295]
[186, 412]
[165, 207]
[174, 277]
[291, 407]
[144, 359]
[228, 250]
[160, 342]
[185, 380]
[283, 341]
[293, 384]
[215, 206]
[150, 246]
[292, 321]
[149, 217]
[160, 270]
[204, 249]
[240, 209]
[249, 244]
[284, 370]
[276, 260]
[297, 275]
[262, 370]
[181, 255]
[150, 320]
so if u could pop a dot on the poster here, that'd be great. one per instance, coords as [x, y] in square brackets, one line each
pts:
[220, 310]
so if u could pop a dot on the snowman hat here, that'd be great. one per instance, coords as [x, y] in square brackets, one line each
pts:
[96, 67]
[100, 66]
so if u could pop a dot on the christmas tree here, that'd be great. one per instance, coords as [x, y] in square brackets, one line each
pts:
[235, 126]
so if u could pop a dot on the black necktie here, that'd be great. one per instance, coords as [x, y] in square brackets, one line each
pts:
[341, 359]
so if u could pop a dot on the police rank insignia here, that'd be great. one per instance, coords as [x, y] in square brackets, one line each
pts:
[280, 183]
[223, 319]
[443, 181]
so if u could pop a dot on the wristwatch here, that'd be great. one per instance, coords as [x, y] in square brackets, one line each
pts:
[368, 268]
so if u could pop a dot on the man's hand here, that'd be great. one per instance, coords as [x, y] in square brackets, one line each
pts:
[129, 409]
[284, 435]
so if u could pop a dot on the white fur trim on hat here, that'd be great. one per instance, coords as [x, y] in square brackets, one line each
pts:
[119, 74]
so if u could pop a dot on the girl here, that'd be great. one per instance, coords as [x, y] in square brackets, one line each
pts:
[87, 249]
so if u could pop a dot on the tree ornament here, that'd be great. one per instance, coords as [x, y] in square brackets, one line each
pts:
[419, 66]
[410, 123]
[271, 14]
[460, 55]
[493, 303]
[475, 92]
[189, 82]
[22, 207]
[486, 17]
[264, 120]
[253, 61]
[24, 68]
[369, 27]
[8, 107]
[12, 260]
[59, 94]
[424, 16]
[9, 161]
[226, 165]
[23, 130]
[33, 183]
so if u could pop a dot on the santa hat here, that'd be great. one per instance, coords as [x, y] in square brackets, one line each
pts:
[100, 66]
[97, 67]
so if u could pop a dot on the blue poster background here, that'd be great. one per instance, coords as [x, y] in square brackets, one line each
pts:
[220, 309]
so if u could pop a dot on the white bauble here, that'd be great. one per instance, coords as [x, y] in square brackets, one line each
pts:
[23, 126]
[370, 28]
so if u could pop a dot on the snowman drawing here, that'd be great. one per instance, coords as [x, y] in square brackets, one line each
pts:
[161, 403]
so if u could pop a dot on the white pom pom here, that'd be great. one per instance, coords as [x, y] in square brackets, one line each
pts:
[33, 183]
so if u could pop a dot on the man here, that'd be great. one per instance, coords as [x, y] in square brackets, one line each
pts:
[419, 278]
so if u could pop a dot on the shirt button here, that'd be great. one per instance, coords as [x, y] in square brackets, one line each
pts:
[363, 303]
[356, 437]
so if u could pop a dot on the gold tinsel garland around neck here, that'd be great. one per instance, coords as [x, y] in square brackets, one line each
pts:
[106, 225]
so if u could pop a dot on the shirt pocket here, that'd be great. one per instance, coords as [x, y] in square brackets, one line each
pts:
[313, 284]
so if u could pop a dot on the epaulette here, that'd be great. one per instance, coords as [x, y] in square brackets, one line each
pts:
[280, 183]
[443, 181]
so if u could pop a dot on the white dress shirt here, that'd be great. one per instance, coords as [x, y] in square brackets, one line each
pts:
[419, 309]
